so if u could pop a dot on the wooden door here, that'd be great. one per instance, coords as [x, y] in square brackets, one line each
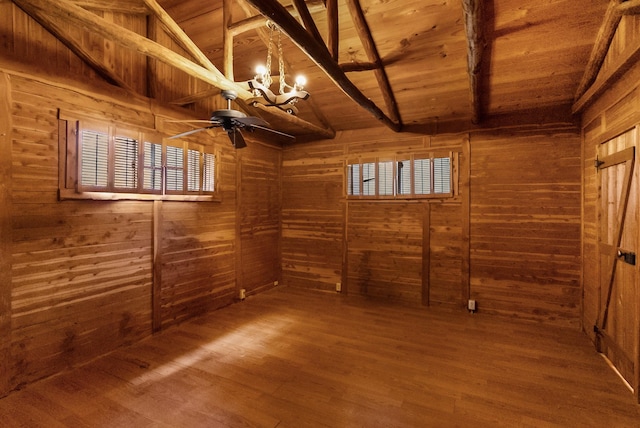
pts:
[617, 330]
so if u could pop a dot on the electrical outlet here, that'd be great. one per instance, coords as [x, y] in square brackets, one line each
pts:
[275, 282]
[242, 294]
[338, 287]
[471, 305]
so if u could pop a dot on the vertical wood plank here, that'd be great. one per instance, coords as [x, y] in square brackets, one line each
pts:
[156, 293]
[465, 244]
[426, 253]
[345, 248]
[227, 40]
[5, 232]
[636, 241]
[238, 231]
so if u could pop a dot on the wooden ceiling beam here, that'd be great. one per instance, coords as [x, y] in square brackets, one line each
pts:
[262, 33]
[475, 49]
[129, 7]
[257, 21]
[629, 7]
[612, 18]
[179, 35]
[320, 55]
[614, 72]
[333, 29]
[364, 32]
[227, 40]
[349, 67]
[67, 13]
[74, 45]
[301, 7]
[189, 99]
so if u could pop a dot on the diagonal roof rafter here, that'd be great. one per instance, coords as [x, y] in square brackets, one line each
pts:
[319, 53]
[64, 12]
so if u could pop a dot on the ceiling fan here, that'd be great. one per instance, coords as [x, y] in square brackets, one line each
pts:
[232, 121]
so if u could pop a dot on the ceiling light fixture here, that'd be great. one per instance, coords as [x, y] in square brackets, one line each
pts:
[260, 85]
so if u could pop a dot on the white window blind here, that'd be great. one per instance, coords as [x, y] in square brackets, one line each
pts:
[353, 179]
[442, 175]
[369, 179]
[209, 170]
[125, 163]
[385, 178]
[422, 176]
[175, 168]
[95, 156]
[193, 170]
[152, 166]
[404, 177]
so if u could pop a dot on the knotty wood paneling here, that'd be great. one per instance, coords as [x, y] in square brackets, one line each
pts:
[384, 250]
[445, 254]
[198, 258]
[614, 113]
[399, 250]
[80, 274]
[6, 210]
[24, 38]
[259, 217]
[81, 270]
[197, 245]
[312, 215]
[525, 225]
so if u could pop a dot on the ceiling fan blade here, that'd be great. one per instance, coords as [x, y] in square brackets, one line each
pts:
[264, 128]
[251, 121]
[193, 131]
[237, 140]
[188, 121]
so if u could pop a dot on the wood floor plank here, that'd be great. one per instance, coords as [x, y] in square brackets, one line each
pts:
[298, 358]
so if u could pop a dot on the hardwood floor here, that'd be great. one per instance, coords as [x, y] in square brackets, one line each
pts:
[295, 358]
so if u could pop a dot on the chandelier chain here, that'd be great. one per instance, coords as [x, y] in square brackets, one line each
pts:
[267, 76]
[281, 64]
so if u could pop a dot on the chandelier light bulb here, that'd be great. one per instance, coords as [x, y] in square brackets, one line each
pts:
[301, 80]
[261, 70]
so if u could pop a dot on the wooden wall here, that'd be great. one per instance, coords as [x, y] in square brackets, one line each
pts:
[258, 225]
[610, 123]
[84, 277]
[510, 239]
[313, 212]
[79, 277]
[612, 113]
[525, 225]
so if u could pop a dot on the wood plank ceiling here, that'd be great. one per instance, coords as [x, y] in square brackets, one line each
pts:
[418, 65]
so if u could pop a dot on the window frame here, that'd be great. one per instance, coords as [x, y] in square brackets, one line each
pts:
[71, 129]
[410, 160]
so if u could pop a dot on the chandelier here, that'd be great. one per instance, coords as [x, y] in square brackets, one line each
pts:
[260, 85]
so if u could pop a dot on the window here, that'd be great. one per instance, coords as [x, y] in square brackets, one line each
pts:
[369, 179]
[403, 183]
[152, 167]
[422, 176]
[415, 176]
[442, 175]
[94, 152]
[175, 169]
[385, 178]
[125, 174]
[353, 179]
[103, 158]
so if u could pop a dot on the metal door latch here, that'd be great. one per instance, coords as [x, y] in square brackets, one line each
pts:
[627, 257]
